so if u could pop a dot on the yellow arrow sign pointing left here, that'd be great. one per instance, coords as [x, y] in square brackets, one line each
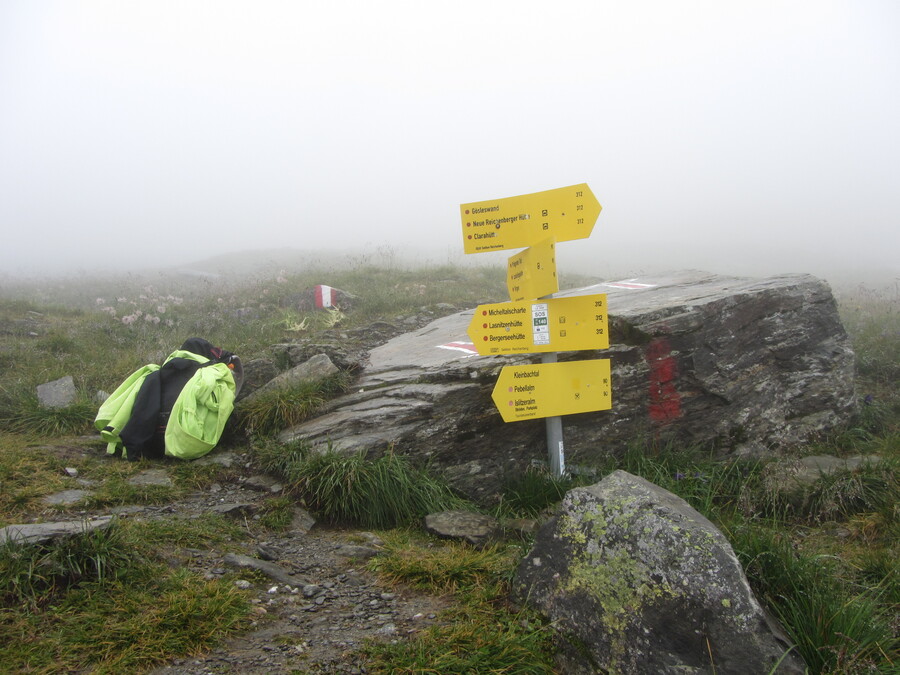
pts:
[552, 389]
[517, 222]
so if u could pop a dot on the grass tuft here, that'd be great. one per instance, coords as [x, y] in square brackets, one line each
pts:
[33, 574]
[532, 491]
[481, 633]
[269, 412]
[25, 415]
[375, 493]
[441, 567]
[835, 629]
[106, 602]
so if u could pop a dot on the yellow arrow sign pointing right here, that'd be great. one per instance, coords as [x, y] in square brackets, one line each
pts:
[517, 222]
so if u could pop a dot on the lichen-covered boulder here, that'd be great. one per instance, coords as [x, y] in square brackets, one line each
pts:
[637, 581]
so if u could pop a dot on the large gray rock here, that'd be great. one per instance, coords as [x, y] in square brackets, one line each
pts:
[732, 363]
[317, 368]
[642, 583]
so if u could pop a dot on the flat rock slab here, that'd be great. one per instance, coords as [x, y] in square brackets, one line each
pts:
[38, 533]
[270, 569]
[152, 477]
[475, 528]
[696, 358]
[66, 497]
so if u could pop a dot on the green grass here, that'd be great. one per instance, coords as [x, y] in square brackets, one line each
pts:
[441, 567]
[106, 602]
[480, 632]
[383, 492]
[270, 412]
[24, 414]
[277, 513]
[533, 491]
[34, 576]
[838, 628]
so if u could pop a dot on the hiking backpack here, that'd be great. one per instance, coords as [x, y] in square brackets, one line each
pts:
[178, 409]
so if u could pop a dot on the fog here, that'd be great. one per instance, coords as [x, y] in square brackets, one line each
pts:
[737, 137]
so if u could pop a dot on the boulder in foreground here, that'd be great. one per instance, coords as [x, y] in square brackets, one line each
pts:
[642, 583]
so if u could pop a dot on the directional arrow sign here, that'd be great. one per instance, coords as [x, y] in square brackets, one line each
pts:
[553, 325]
[516, 222]
[552, 389]
[532, 273]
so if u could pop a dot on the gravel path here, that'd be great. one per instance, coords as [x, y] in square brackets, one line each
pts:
[314, 602]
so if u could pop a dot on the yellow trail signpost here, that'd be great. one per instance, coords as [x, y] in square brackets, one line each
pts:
[527, 325]
[551, 325]
[562, 214]
[552, 389]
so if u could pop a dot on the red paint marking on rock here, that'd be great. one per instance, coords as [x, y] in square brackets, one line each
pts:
[665, 401]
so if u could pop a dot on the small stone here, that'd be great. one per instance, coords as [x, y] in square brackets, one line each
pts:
[71, 472]
[267, 552]
[356, 551]
[272, 590]
[243, 584]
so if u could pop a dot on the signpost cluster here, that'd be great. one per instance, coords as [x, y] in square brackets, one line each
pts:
[533, 321]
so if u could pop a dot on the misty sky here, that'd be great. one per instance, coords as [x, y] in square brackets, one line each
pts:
[748, 137]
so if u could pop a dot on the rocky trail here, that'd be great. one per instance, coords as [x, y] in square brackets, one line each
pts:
[314, 602]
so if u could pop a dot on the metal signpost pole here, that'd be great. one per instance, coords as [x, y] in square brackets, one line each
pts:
[555, 448]
[555, 444]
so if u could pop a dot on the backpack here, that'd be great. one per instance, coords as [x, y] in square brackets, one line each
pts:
[178, 409]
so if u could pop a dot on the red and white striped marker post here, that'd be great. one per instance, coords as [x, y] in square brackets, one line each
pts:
[325, 297]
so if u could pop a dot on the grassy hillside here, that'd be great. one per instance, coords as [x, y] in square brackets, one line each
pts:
[825, 564]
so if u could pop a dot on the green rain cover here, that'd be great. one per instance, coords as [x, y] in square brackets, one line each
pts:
[115, 411]
[200, 412]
